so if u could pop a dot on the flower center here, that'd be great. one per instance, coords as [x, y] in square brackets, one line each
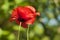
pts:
[21, 20]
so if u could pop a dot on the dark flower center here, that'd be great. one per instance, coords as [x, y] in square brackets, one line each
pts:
[22, 20]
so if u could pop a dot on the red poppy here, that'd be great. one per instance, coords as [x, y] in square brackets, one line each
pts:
[25, 15]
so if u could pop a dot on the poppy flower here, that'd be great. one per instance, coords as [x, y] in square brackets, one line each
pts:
[25, 15]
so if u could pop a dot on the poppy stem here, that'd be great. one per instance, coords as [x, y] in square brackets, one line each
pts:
[19, 32]
[28, 33]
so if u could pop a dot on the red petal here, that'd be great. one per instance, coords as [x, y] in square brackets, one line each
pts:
[38, 14]
[24, 25]
[18, 22]
[31, 21]
[31, 8]
[14, 15]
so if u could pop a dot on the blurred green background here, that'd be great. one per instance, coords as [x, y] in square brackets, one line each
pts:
[46, 27]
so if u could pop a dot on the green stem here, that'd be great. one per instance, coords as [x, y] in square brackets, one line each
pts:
[28, 33]
[19, 32]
